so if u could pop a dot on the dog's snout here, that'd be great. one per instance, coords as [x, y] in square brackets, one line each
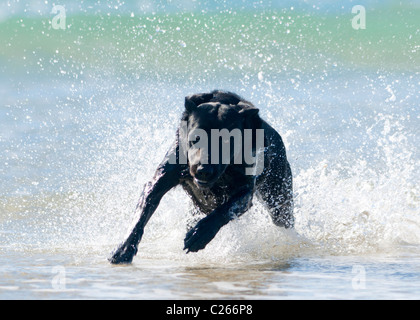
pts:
[204, 172]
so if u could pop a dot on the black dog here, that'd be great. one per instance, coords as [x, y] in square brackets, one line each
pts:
[218, 182]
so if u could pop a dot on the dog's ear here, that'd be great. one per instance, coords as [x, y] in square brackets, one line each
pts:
[247, 110]
[192, 102]
[189, 104]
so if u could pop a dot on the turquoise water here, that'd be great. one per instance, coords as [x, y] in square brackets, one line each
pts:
[88, 112]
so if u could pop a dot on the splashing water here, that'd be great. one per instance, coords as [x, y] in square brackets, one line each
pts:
[88, 114]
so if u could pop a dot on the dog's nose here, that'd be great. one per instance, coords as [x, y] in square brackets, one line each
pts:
[204, 172]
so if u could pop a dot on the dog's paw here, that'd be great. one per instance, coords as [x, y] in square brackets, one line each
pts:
[199, 236]
[123, 255]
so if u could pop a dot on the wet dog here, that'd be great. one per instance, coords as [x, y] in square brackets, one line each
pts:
[214, 159]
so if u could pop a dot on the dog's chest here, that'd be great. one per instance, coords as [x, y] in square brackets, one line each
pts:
[206, 199]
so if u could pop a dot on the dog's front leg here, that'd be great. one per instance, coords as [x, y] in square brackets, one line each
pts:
[166, 177]
[206, 229]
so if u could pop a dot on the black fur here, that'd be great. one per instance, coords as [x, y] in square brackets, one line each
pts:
[221, 191]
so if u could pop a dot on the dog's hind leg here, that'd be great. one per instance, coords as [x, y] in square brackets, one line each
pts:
[274, 185]
[275, 191]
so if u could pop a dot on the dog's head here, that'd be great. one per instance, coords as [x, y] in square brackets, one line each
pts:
[216, 122]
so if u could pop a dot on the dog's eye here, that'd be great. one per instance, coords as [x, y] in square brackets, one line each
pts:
[194, 140]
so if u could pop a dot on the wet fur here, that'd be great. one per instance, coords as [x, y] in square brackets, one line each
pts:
[231, 194]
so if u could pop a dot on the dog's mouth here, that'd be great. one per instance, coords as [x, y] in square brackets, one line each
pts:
[203, 183]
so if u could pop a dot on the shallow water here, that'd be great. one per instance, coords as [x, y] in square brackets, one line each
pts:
[69, 275]
[87, 113]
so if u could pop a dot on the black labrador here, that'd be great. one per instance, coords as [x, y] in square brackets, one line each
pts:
[214, 160]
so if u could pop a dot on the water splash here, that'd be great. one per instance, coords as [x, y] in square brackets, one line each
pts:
[95, 120]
